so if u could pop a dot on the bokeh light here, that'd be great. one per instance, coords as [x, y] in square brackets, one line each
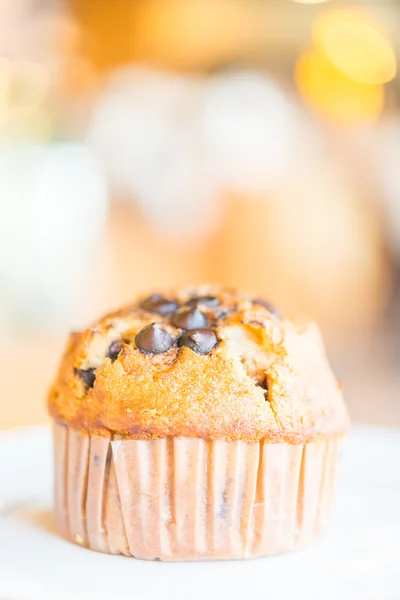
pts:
[311, 1]
[356, 45]
[334, 95]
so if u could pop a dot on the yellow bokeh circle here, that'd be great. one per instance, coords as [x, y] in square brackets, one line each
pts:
[356, 45]
[334, 95]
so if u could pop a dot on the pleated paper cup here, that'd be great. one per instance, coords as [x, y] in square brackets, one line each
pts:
[190, 499]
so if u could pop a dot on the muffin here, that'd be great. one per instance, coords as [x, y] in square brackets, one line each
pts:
[195, 425]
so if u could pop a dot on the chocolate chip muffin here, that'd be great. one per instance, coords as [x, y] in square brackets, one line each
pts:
[198, 424]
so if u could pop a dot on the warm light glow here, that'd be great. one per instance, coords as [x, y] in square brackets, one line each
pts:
[356, 45]
[330, 18]
[179, 34]
[334, 95]
[196, 33]
[79, 75]
[310, 1]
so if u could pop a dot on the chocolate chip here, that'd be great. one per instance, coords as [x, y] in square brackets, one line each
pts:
[221, 312]
[201, 341]
[153, 339]
[264, 385]
[189, 318]
[268, 305]
[87, 375]
[210, 301]
[114, 350]
[158, 304]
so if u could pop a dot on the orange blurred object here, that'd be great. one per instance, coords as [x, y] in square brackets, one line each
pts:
[180, 34]
[194, 34]
[334, 95]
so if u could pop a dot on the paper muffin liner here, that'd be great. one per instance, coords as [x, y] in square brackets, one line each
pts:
[190, 499]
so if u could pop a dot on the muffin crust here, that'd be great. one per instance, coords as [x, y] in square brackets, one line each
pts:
[247, 375]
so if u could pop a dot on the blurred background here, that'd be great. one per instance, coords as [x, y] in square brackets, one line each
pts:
[152, 143]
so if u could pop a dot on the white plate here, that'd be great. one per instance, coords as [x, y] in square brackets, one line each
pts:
[358, 558]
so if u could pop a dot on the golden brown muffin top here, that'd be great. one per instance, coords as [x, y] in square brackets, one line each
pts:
[206, 362]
